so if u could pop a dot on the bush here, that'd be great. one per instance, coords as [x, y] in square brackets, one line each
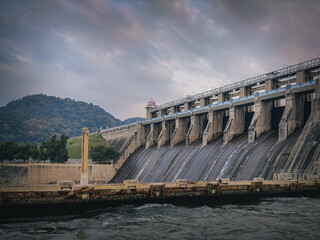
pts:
[103, 154]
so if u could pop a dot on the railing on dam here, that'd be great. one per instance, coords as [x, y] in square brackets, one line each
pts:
[278, 90]
[280, 73]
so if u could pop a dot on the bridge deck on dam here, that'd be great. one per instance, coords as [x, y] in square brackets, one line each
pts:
[302, 88]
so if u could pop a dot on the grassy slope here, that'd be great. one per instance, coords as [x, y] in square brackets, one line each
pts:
[74, 144]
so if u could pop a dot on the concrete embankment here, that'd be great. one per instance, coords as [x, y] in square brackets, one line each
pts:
[67, 198]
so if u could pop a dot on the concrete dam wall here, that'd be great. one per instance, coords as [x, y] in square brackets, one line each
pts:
[267, 127]
[37, 173]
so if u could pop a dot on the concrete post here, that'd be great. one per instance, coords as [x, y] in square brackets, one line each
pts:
[243, 91]
[194, 130]
[235, 125]
[180, 131]
[84, 178]
[261, 120]
[163, 137]
[293, 115]
[269, 85]
[302, 77]
[162, 112]
[316, 101]
[214, 127]
[153, 135]
[222, 97]
[204, 102]
[187, 106]
[148, 112]
[150, 138]
[173, 109]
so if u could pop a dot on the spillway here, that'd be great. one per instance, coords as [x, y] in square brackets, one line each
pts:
[237, 160]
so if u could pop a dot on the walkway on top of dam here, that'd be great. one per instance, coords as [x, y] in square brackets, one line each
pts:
[279, 74]
[301, 88]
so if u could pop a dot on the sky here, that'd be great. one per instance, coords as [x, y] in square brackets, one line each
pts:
[119, 54]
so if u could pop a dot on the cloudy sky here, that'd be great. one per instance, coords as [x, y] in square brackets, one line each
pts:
[119, 54]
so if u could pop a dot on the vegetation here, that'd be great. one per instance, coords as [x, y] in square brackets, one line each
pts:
[11, 150]
[133, 120]
[103, 154]
[33, 119]
[74, 145]
[58, 150]
[53, 149]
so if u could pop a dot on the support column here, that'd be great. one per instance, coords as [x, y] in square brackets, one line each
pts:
[222, 97]
[204, 102]
[194, 130]
[162, 112]
[269, 85]
[302, 77]
[243, 92]
[214, 127]
[235, 125]
[316, 101]
[148, 112]
[173, 109]
[261, 120]
[293, 115]
[153, 135]
[84, 178]
[150, 139]
[187, 106]
[180, 131]
[140, 135]
[163, 137]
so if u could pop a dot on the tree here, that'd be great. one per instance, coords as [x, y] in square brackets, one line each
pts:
[54, 149]
[103, 154]
[62, 155]
[9, 150]
[23, 152]
[34, 152]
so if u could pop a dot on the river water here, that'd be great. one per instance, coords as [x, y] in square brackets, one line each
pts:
[269, 218]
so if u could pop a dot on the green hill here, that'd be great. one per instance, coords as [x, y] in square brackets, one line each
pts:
[34, 119]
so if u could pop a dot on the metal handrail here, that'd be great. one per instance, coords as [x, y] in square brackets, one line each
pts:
[287, 71]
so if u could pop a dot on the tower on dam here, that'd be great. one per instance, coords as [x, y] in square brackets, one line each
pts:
[234, 131]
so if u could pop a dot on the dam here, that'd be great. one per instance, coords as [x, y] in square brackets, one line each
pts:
[267, 126]
[245, 141]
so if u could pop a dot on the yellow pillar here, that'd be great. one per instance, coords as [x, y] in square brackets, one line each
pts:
[84, 157]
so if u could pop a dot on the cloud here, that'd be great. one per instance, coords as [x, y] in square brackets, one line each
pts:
[118, 54]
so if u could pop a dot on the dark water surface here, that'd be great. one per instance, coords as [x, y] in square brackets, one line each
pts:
[270, 218]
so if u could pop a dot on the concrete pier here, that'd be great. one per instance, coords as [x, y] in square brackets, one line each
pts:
[196, 128]
[235, 125]
[261, 121]
[84, 179]
[164, 136]
[180, 131]
[214, 126]
[155, 129]
[292, 117]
